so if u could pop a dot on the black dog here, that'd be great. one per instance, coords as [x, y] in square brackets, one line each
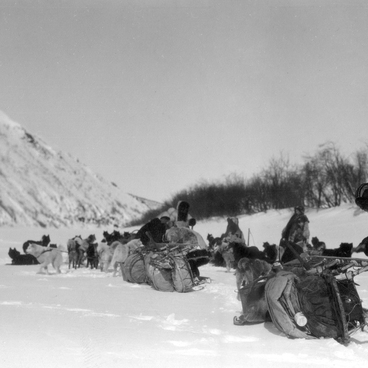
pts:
[269, 253]
[45, 241]
[317, 244]
[362, 247]
[92, 256]
[21, 259]
[345, 250]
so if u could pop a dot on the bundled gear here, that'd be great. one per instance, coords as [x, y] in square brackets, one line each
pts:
[197, 255]
[312, 297]
[166, 268]
[133, 269]
[169, 270]
[171, 255]
[314, 306]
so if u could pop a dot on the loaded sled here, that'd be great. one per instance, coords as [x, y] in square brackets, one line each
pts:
[310, 297]
[171, 265]
[167, 268]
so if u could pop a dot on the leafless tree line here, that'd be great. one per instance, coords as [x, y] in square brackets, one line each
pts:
[325, 179]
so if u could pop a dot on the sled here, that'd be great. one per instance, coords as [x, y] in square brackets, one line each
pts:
[341, 260]
[322, 289]
[198, 287]
[331, 308]
[169, 271]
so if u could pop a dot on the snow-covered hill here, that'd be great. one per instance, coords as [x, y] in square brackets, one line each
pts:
[44, 187]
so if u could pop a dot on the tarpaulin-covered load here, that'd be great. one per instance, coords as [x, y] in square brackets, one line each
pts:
[169, 272]
[198, 254]
[318, 301]
[165, 269]
[133, 269]
[172, 253]
[158, 271]
[314, 306]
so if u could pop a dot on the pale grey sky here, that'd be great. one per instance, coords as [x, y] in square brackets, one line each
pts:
[156, 95]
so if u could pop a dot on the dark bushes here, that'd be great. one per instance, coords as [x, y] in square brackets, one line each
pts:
[325, 179]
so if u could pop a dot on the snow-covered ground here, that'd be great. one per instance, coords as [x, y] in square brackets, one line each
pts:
[85, 318]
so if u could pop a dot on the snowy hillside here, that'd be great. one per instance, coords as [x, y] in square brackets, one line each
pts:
[44, 187]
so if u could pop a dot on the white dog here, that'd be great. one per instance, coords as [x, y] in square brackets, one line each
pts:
[46, 255]
[105, 253]
[121, 253]
[110, 256]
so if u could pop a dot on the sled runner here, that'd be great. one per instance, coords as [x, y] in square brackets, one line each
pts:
[341, 260]
[350, 267]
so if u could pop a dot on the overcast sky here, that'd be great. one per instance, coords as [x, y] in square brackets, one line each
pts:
[156, 95]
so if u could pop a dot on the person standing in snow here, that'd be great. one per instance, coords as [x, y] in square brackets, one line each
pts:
[297, 229]
[233, 234]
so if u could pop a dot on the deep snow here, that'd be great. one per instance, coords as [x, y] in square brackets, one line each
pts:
[85, 318]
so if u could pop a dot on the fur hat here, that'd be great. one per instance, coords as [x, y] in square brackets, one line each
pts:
[299, 208]
[361, 196]
[235, 220]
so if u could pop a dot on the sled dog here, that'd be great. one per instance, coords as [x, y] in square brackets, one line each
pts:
[121, 253]
[45, 256]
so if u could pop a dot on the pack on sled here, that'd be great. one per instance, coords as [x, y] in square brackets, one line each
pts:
[314, 306]
[322, 294]
[313, 298]
[133, 269]
[184, 236]
[169, 272]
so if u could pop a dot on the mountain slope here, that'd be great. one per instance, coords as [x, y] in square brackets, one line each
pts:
[44, 187]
